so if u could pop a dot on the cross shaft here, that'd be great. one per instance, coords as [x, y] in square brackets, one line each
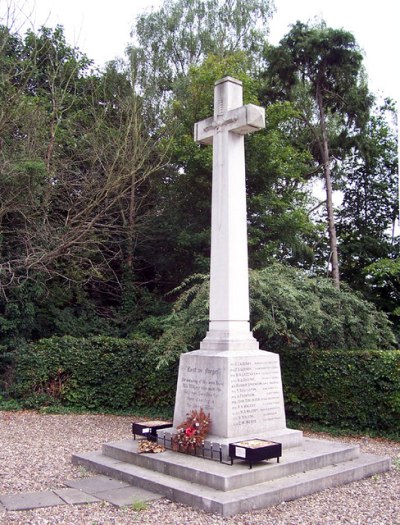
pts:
[229, 291]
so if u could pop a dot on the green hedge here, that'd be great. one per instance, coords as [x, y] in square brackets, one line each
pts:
[92, 373]
[358, 390]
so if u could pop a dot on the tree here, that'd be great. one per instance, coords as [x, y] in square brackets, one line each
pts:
[75, 168]
[183, 67]
[288, 310]
[182, 33]
[382, 281]
[369, 246]
[184, 186]
[319, 69]
[279, 226]
[168, 43]
[369, 182]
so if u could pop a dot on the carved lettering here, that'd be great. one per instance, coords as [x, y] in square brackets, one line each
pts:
[201, 387]
[255, 393]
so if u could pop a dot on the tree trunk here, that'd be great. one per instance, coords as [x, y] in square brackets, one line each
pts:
[131, 222]
[324, 147]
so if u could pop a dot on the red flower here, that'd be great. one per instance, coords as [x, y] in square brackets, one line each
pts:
[190, 431]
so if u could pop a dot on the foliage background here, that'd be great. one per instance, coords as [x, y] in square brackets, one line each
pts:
[349, 390]
[94, 373]
[105, 207]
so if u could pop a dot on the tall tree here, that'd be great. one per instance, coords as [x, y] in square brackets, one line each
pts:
[75, 168]
[168, 42]
[181, 50]
[319, 69]
[182, 33]
[279, 227]
[370, 207]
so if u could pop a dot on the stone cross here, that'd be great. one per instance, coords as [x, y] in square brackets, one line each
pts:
[229, 289]
[238, 384]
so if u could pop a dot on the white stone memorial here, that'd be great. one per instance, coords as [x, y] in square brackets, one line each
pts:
[229, 376]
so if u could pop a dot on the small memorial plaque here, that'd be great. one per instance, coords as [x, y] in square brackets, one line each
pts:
[148, 429]
[254, 450]
[240, 452]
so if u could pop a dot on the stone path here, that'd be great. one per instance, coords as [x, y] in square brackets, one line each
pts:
[79, 491]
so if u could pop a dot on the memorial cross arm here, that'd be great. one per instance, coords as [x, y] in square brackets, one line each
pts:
[242, 121]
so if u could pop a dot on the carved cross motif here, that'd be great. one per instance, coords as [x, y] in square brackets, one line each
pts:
[219, 123]
[229, 113]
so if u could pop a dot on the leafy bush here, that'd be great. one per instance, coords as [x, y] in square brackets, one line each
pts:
[289, 309]
[291, 313]
[93, 373]
[358, 390]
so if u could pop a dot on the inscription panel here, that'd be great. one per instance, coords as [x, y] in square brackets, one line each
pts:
[243, 394]
[256, 394]
[202, 386]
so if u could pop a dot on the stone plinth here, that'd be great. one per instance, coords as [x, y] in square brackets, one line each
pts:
[227, 490]
[241, 389]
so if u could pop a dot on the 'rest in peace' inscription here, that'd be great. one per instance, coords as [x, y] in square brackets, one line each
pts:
[202, 386]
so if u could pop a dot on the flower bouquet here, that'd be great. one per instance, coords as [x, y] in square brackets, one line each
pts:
[192, 432]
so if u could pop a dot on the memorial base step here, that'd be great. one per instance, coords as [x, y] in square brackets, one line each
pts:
[231, 489]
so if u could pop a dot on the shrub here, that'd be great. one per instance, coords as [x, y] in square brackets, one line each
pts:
[92, 373]
[289, 309]
[358, 390]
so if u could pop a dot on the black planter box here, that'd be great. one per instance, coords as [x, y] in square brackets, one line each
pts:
[148, 429]
[254, 450]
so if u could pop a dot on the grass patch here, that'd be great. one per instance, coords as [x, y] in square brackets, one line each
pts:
[138, 506]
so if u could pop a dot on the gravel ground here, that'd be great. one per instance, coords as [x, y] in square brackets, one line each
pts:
[35, 453]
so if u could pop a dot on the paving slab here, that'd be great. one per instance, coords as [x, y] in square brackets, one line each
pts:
[30, 500]
[74, 496]
[96, 484]
[127, 496]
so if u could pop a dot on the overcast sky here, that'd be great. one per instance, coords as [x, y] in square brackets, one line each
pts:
[102, 29]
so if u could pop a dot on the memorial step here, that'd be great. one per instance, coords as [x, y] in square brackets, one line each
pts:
[311, 455]
[253, 495]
